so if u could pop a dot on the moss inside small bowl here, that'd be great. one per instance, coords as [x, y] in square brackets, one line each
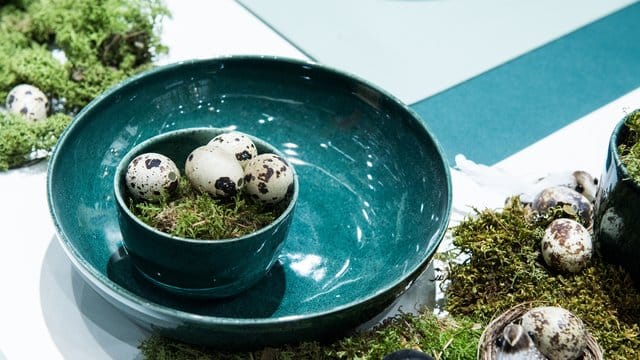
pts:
[191, 214]
[629, 148]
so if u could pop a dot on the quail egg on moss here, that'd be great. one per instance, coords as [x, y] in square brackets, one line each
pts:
[557, 332]
[214, 171]
[268, 178]
[236, 143]
[149, 174]
[560, 195]
[566, 246]
[28, 101]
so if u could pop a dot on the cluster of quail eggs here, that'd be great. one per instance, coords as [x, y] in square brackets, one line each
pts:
[28, 101]
[228, 164]
[567, 245]
[551, 332]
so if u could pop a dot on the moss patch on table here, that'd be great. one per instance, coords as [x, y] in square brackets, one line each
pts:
[72, 50]
[444, 338]
[21, 138]
[505, 268]
[502, 267]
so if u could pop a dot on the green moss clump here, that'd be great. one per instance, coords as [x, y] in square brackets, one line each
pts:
[194, 215]
[22, 140]
[442, 338]
[505, 268]
[103, 42]
[629, 150]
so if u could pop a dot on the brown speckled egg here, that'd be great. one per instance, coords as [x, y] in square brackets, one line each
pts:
[28, 101]
[566, 246]
[236, 143]
[557, 332]
[268, 178]
[149, 175]
[214, 171]
[560, 195]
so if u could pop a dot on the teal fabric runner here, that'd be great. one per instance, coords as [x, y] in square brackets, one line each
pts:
[503, 110]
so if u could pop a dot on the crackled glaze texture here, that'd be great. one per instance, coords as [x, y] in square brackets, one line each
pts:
[617, 229]
[373, 206]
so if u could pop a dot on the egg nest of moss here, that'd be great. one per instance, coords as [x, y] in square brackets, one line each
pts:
[188, 213]
[504, 268]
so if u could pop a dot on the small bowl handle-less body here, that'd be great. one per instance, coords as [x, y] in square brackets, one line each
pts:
[617, 215]
[192, 267]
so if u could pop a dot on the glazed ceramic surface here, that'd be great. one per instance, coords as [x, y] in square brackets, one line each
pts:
[196, 267]
[616, 226]
[373, 205]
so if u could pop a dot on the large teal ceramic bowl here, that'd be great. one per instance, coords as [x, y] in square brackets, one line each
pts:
[373, 204]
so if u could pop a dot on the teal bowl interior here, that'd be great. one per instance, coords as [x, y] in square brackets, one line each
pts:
[373, 204]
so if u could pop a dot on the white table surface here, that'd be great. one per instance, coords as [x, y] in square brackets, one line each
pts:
[48, 311]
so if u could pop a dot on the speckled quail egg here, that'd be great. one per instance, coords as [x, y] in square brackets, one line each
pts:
[214, 171]
[566, 245]
[149, 174]
[612, 224]
[560, 195]
[236, 143]
[29, 101]
[557, 332]
[585, 184]
[268, 178]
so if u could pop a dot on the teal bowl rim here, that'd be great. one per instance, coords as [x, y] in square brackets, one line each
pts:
[616, 136]
[141, 305]
[121, 203]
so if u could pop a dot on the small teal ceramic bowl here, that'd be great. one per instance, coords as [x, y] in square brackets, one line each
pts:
[617, 208]
[373, 203]
[198, 267]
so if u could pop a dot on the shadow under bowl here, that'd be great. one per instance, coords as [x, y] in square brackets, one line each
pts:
[617, 208]
[373, 203]
[198, 267]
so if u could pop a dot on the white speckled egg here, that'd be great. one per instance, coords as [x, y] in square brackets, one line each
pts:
[149, 174]
[268, 178]
[566, 246]
[557, 332]
[236, 143]
[560, 195]
[214, 171]
[28, 101]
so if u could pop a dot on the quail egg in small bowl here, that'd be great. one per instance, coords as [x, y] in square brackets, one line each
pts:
[200, 263]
